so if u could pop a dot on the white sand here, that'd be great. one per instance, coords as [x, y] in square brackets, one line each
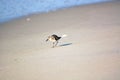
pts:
[91, 51]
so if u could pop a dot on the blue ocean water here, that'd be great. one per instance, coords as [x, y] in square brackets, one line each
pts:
[11, 9]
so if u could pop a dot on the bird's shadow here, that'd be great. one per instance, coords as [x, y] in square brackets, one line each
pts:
[66, 44]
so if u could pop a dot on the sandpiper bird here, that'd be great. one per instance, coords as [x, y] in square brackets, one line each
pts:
[54, 38]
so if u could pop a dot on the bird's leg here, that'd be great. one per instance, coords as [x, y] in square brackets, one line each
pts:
[56, 43]
[53, 45]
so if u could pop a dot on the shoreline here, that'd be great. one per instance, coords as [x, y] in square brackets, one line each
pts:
[40, 13]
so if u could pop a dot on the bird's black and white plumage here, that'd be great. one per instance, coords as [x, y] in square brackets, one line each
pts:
[54, 38]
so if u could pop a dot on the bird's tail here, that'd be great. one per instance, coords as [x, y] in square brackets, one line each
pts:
[64, 36]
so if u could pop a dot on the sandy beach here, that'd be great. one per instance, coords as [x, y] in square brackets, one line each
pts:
[91, 51]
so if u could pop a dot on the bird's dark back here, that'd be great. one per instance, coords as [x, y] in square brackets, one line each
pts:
[56, 37]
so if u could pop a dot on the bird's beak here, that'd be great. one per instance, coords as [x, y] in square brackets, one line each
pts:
[46, 40]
